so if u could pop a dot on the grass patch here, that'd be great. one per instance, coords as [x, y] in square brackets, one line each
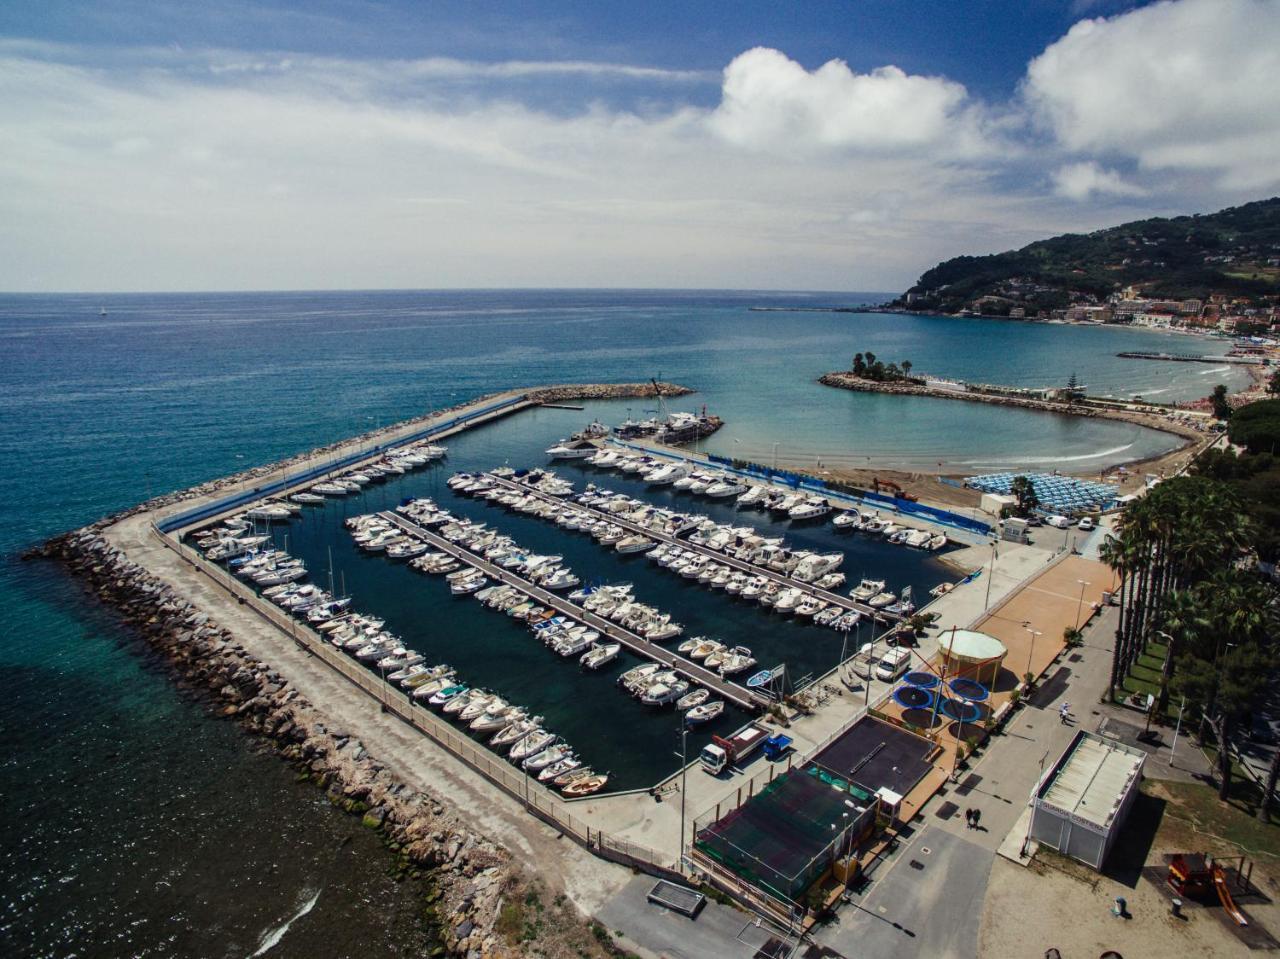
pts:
[1234, 822]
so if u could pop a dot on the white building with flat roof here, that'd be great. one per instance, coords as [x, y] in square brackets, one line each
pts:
[1080, 805]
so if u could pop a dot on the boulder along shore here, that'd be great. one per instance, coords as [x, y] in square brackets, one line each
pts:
[483, 902]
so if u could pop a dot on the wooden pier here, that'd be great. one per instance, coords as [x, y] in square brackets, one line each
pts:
[845, 602]
[739, 696]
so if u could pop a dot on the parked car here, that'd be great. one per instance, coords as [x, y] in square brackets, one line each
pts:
[1086, 522]
[1059, 522]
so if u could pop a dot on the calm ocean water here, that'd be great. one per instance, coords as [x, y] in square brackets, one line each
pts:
[135, 825]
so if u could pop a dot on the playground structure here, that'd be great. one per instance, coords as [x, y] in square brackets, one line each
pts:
[1198, 876]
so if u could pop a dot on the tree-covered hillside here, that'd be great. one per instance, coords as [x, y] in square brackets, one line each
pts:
[1235, 251]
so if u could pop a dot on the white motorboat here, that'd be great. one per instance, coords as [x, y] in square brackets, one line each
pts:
[660, 694]
[788, 600]
[549, 756]
[848, 520]
[634, 544]
[517, 731]
[736, 660]
[705, 648]
[866, 589]
[666, 474]
[307, 499]
[572, 450]
[562, 578]
[557, 769]
[810, 606]
[815, 565]
[600, 655]
[811, 508]
[881, 600]
[480, 706]
[531, 745]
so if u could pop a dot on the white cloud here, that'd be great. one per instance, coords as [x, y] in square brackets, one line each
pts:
[1081, 181]
[1178, 86]
[769, 101]
[151, 172]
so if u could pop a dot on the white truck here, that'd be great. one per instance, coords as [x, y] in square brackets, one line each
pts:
[724, 751]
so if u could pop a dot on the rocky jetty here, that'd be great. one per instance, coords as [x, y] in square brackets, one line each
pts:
[603, 391]
[846, 380]
[472, 882]
[467, 873]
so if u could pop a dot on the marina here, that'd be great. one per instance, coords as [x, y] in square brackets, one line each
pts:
[301, 527]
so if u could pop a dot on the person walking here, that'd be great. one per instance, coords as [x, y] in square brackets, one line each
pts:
[977, 817]
[1064, 713]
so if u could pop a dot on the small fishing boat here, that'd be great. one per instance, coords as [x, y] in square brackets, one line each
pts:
[695, 698]
[705, 712]
[585, 786]
[762, 678]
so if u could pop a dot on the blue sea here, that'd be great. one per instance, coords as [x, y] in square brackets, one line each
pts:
[135, 824]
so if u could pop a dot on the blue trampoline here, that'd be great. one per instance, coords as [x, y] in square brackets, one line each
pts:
[961, 711]
[969, 689]
[913, 697]
[921, 678]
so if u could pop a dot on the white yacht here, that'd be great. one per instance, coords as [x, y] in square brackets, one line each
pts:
[572, 450]
[811, 508]
[666, 474]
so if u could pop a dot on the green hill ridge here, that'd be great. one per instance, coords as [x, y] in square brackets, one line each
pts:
[1235, 252]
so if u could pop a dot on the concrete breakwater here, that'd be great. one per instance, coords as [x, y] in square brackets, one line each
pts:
[546, 394]
[848, 381]
[469, 874]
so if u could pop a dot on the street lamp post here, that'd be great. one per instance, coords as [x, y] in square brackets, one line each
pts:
[1080, 605]
[991, 573]
[1031, 652]
[684, 781]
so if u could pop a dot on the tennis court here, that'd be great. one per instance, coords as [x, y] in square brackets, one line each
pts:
[786, 835]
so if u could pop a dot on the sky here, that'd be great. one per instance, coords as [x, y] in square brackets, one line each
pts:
[755, 145]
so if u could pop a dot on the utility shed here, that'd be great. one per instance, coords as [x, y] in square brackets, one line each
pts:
[1081, 804]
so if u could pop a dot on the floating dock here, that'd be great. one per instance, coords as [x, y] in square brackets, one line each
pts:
[739, 696]
[845, 602]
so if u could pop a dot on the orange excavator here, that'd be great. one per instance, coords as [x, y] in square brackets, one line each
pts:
[878, 484]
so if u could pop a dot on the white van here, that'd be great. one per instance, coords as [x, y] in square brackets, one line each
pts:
[1059, 522]
[893, 664]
